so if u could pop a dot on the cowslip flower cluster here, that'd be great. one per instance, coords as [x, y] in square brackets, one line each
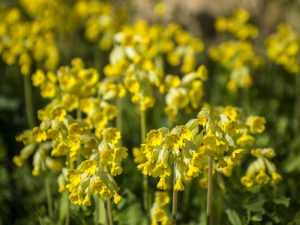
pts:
[95, 174]
[227, 137]
[237, 25]
[170, 151]
[73, 91]
[56, 15]
[26, 42]
[159, 214]
[36, 145]
[283, 48]
[101, 21]
[237, 55]
[136, 60]
[185, 93]
[261, 171]
[227, 131]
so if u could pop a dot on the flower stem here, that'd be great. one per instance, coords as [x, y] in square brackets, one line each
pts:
[145, 178]
[28, 101]
[297, 104]
[109, 210]
[107, 220]
[174, 199]
[49, 197]
[67, 220]
[209, 192]
[97, 212]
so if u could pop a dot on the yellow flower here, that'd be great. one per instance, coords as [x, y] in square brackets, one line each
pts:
[35, 172]
[202, 73]
[245, 140]
[38, 78]
[58, 113]
[74, 177]
[87, 105]
[159, 214]
[178, 185]
[117, 198]
[256, 124]
[89, 76]
[88, 166]
[162, 184]
[262, 177]
[231, 127]
[60, 150]
[138, 156]
[173, 142]
[247, 181]
[154, 138]
[111, 135]
[70, 102]
[276, 177]
[48, 90]
[18, 161]
[39, 135]
[162, 198]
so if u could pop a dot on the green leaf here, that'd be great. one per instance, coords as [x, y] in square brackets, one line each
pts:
[233, 217]
[255, 204]
[257, 217]
[282, 200]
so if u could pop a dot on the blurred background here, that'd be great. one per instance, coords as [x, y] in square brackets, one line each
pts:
[274, 94]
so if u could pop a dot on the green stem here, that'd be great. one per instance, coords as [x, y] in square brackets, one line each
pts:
[28, 101]
[209, 192]
[297, 104]
[107, 221]
[246, 100]
[97, 213]
[109, 211]
[78, 114]
[49, 197]
[174, 199]
[143, 126]
[145, 178]
[67, 220]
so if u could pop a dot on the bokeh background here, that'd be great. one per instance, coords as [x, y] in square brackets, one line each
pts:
[275, 94]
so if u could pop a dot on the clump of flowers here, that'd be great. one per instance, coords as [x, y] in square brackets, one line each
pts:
[237, 25]
[95, 174]
[74, 115]
[170, 151]
[262, 170]
[136, 60]
[185, 93]
[101, 20]
[26, 42]
[283, 48]
[237, 56]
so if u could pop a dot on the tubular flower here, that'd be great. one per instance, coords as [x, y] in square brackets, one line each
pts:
[95, 174]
